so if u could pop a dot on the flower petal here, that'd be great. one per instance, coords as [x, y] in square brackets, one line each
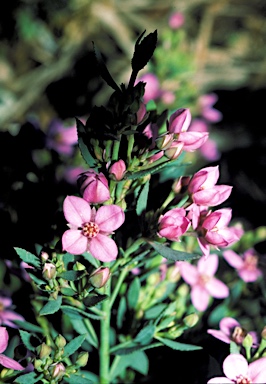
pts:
[208, 266]
[188, 272]
[233, 259]
[76, 210]
[235, 365]
[227, 324]
[109, 218]
[217, 288]
[257, 370]
[3, 339]
[10, 363]
[103, 248]
[200, 297]
[74, 242]
[220, 380]
[219, 335]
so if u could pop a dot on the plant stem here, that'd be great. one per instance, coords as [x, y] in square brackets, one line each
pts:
[105, 338]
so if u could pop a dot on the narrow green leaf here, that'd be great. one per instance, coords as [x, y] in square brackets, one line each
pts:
[122, 307]
[172, 254]
[71, 275]
[80, 327]
[134, 347]
[77, 313]
[145, 336]
[74, 345]
[28, 326]
[139, 361]
[178, 346]
[143, 198]
[105, 74]
[133, 293]
[92, 300]
[83, 148]
[154, 311]
[28, 257]
[36, 279]
[51, 306]
[74, 379]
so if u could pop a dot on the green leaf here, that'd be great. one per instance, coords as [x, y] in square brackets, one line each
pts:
[74, 379]
[133, 293]
[68, 258]
[105, 74]
[83, 148]
[154, 311]
[51, 306]
[28, 326]
[27, 338]
[178, 346]
[122, 307]
[71, 275]
[144, 49]
[172, 254]
[29, 378]
[74, 345]
[36, 279]
[145, 336]
[92, 300]
[77, 313]
[133, 347]
[139, 361]
[80, 327]
[28, 257]
[143, 198]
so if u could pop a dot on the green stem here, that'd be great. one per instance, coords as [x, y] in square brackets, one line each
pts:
[105, 338]
[117, 286]
[116, 147]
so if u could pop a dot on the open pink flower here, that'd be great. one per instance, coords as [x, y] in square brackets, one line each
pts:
[203, 188]
[89, 230]
[231, 330]
[6, 316]
[208, 112]
[61, 138]
[238, 371]
[176, 20]
[93, 187]
[202, 281]
[246, 266]
[4, 360]
[118, 170]
[178, 124]
[173, 224]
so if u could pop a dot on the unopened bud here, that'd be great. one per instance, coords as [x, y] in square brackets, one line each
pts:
[38, 365]
[248, 341]
[174, 151]
[263, 333]
[49, 271]
[44, 256]
[78, 266]
[57, 371]
[191, 320]
[164, 142]
[60, 341]
[118, 170]
[44, 351]
[180, 184]
[100, 277]
[82, 359]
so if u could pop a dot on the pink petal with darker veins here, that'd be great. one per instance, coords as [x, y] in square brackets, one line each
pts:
[103, 248]
[109, 218]
[76, 210]
[74, 242]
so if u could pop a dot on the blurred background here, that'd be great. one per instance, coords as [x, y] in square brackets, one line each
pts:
[210, 57]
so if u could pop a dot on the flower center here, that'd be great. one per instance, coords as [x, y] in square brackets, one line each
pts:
[242, 380]
[238, 335]
[251, 262]
[90, 230]
[2, 307]
[203, 279]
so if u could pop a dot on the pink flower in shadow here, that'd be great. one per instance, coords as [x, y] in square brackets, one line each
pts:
[89, 230]
[60, 138]
[4, 360]
[6, 316]
[203, 282]
[246, 266]
[237, 370]
[231, 330]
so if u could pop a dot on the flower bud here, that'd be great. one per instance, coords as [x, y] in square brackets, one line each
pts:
[100, 277]
[82, 359]
[57, 371]
[118, 170]
[60, 341]
[44, 256]
[174, 151]
[179, 121]
[93, 187]
[38, 365]
[45, 351]
[248, 341]
[191, 320]
[78, 266]
[163, 142]
[49, 271]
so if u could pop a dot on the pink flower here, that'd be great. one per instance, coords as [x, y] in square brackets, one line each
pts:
[89, 230]
[176, 20]
[208, 112]
[202, 281]
[238, 371]
[214, 229]
[93, 187]
[231, 330]
[203, 190]
[118, 170]
[246, 266]
[4, 360]
[70, 174]
[173, 224]
[6, 316]
[61, 138]
[209, 149]
[152, 87]
[178, 124]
